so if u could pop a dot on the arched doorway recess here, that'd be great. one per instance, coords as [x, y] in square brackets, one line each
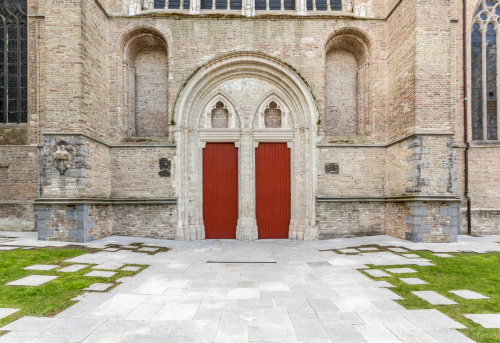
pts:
[249, 91]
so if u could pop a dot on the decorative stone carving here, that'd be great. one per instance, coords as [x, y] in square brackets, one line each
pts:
[148, 5]
[220, 116]
[61, 159]
[272, 115]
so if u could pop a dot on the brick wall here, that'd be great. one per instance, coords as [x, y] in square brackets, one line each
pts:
[341, 93]
[138, 173]
[336, 219]
[155, 221]
[18, 187]
[151, 92]
[401, 50]
[361, 172]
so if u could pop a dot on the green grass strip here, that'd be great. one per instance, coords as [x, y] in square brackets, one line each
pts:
[52, 297]
[475, 272]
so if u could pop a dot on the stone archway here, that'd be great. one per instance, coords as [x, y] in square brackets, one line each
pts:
[246, 82]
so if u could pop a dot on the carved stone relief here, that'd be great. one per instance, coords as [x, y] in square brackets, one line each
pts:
[272, 115]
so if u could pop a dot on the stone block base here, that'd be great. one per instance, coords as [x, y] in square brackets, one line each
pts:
[424, 221]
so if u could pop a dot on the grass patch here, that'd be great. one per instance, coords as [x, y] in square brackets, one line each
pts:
[476, 272]
[52, 297]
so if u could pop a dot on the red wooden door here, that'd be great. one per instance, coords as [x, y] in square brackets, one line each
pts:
[220, 190]
[272, 185]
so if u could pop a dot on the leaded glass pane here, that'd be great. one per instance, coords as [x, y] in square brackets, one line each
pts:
[13, 61]
[476, 84]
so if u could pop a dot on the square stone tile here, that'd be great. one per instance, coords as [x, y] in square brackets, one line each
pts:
[411, 255]
[443, 255]
[466, 294]
[110, 265]
[130, 269]
[32, 280]
[31, 324]
[100, 273]
[8, 248]
[401, 270]
[319, 264]
[41, 267]
[376, 332]
[431, 320]
[99, 287]
[398, 249]
[309, 330]
[111, 249]
[18, 337]
[243, 293]
[368, 249]
[73, 268]
[376, 273]
[489, 321]
[448, 336]
[434, 298]
[413, 281]
[5, 312]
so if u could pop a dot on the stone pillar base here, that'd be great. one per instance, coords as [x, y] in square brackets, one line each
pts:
[247, 230]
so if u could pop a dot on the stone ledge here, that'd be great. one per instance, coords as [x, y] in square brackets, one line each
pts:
[436, 198]
[135, 145]
[388, 144]
[103, 201]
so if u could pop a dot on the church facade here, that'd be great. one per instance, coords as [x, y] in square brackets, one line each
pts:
[249, 119]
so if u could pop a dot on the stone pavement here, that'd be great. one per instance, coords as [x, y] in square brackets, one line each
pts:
[233, 291]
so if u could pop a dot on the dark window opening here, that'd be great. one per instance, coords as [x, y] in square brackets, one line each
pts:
[13, 62]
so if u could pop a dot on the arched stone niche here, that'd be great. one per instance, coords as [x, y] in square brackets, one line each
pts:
[348, 84]
[145, 83]
[272, 108]
[220, 113]
[246, 83]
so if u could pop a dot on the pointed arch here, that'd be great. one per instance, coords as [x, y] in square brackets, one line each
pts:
[234, 114]
[257, 119]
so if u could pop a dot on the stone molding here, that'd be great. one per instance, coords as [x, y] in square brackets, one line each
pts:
[143, 145]
[294, 97]
[101, 201]
[423, 198]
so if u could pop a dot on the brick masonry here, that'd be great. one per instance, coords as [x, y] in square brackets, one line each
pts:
[104, 86]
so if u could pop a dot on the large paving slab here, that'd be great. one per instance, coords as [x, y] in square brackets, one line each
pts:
[434, 298]
[268, 290]
[466, 294]
[377, 273]
[73, 268]
[413, 281]
[32, 280]
[489, 321]
[42, 267]
[401, 270]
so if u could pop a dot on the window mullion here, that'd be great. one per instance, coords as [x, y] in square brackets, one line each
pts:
[484, 83]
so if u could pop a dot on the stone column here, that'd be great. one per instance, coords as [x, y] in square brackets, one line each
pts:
[246, 229]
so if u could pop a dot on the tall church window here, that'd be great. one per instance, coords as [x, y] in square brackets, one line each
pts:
[484, 87]
[13, 62]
